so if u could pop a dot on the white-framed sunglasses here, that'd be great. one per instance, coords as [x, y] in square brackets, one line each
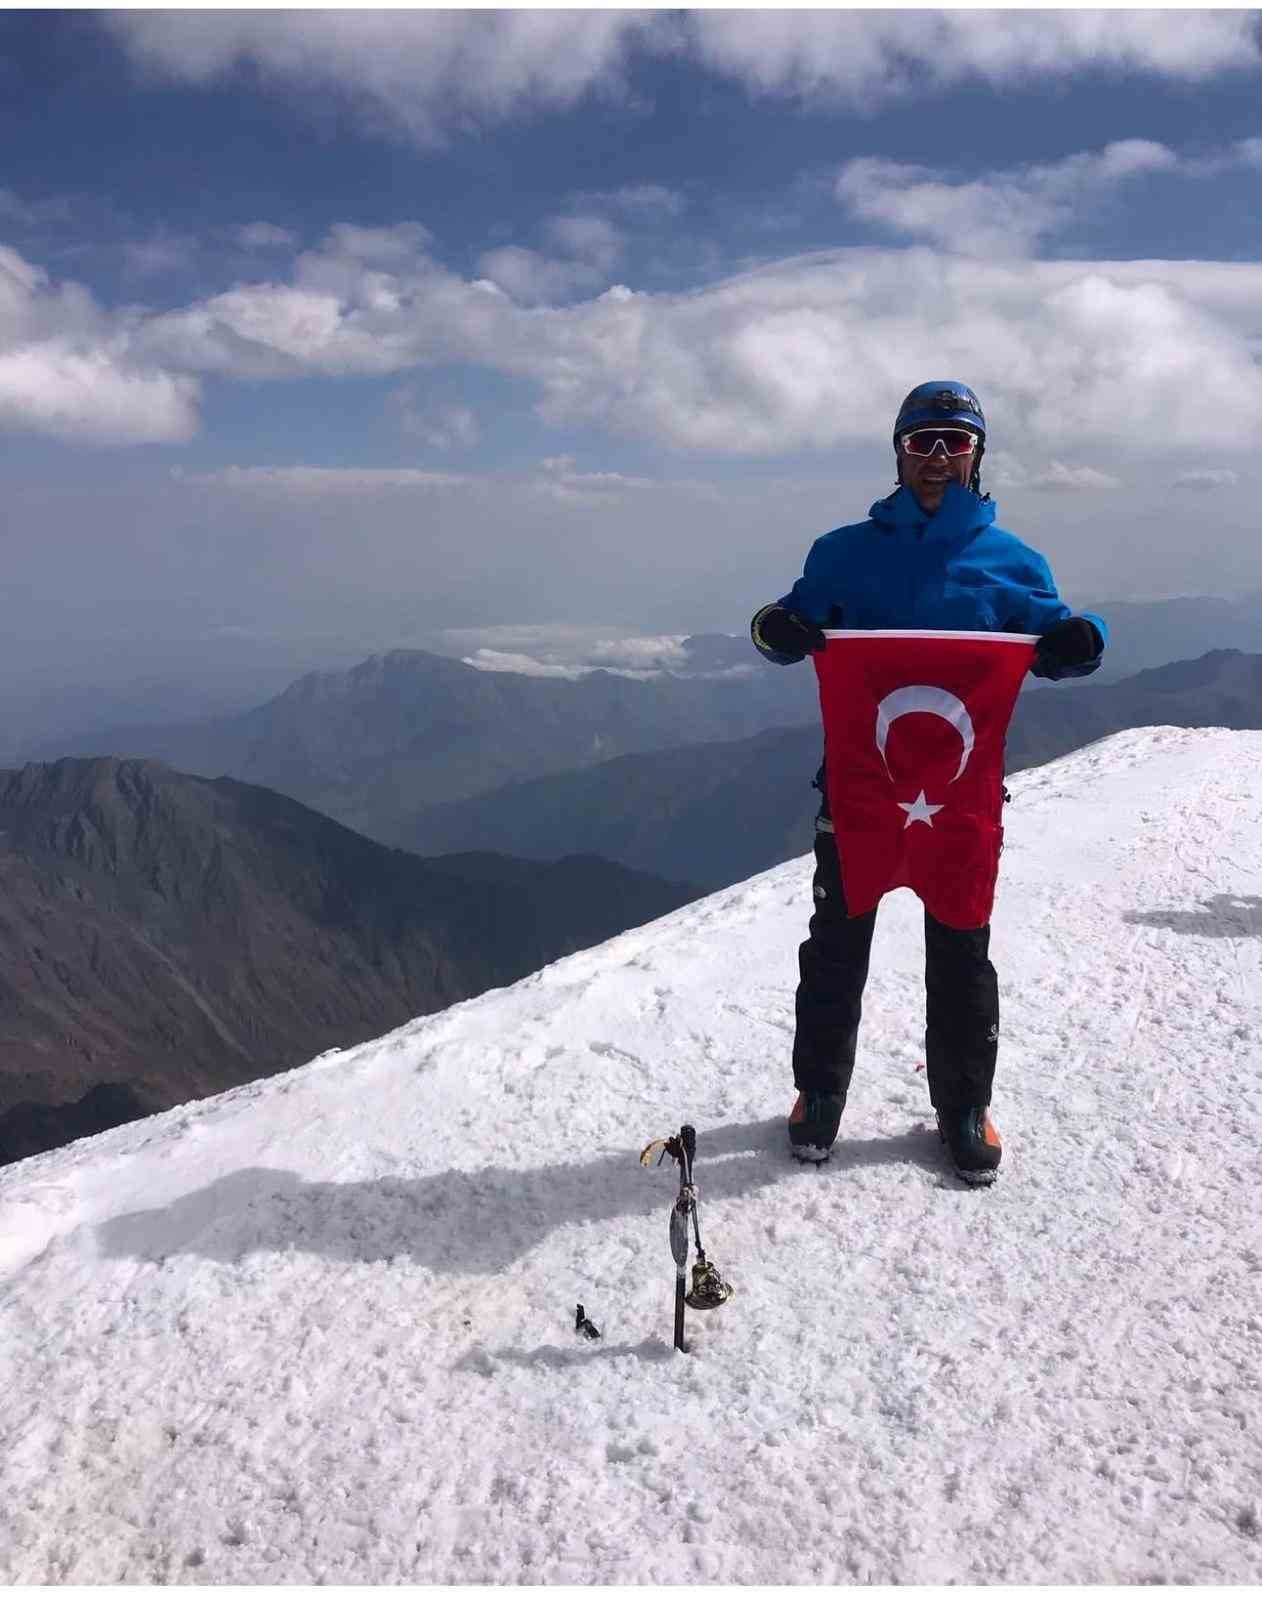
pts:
[925, 441]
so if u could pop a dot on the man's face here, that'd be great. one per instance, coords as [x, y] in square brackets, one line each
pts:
[927, 476]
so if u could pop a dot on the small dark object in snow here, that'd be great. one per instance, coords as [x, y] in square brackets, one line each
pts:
[589, 1330]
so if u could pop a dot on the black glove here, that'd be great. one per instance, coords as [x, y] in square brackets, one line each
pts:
[1071, 643]
[775, 628]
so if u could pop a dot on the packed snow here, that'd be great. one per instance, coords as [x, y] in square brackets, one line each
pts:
[321, 1328]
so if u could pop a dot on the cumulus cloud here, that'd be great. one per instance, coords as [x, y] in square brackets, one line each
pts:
[1001, 213]
[815, 352]
[864, 58]
[584, 246]
[532, 279]
[423, 74]
[368, 300]
[804, 354]
[429, 74]
[89, 396]
[67, 369]
[587, 238]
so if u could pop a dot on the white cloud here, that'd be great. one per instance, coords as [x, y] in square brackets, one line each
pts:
[568, 644]
[88, 395]
[302, 482]
[506, 661]
[587, 238]
[625, 658]
[1061, 478]
[1003, 470]
[420, 73]
[586, 248]
[66, 368]
[430, 74]
[805, 354]
[562, 481]
[1000, 213]
[1206, 478]
[865, 57]
[350, 303]
[811, 353]
[532, 279]
[444, 427]
[665, 652]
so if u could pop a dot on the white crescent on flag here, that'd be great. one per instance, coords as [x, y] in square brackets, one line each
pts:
[938, 703]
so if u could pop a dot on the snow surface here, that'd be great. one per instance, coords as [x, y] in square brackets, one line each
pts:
[320, 1328]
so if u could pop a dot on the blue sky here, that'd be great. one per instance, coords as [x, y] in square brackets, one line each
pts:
[376, 324]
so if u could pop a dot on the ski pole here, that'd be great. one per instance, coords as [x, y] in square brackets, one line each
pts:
[685, 1205]
[708, 1288]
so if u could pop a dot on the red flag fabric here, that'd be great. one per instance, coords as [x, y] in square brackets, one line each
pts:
[914, 726]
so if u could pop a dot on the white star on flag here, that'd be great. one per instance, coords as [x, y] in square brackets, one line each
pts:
[918, 810]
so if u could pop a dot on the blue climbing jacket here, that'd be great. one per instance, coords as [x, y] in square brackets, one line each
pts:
[905, 568]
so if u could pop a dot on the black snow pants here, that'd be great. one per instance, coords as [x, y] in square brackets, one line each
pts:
[961, 993]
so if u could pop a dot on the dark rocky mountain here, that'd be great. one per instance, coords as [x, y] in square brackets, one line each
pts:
[31, 1127]
[172, 936]
[717, 813]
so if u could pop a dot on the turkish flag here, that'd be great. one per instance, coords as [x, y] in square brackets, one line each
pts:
[914, 726]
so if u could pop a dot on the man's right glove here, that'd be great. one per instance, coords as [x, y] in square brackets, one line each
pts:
[784, 633]
[1070, 643]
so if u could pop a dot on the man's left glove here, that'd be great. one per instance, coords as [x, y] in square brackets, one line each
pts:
[1071, 643]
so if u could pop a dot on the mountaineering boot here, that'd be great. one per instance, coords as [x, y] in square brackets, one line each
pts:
[813, 1123]
[973, 1141]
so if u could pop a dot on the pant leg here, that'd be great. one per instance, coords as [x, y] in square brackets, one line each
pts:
[962, 1015]
[833, 968]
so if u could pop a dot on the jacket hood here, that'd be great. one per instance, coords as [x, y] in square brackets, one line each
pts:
[961, 514]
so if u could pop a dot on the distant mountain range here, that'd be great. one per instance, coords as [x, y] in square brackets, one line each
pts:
[164, 937]
[50, 709]
[715, 814]
[400, 732]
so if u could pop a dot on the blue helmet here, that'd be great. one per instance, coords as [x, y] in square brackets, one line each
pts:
[941, 401]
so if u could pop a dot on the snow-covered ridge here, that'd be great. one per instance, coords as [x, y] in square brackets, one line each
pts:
[320, 1327]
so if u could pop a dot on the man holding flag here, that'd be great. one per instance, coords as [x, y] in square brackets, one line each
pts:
[934, 616]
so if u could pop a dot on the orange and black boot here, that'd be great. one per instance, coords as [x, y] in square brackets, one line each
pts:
[973, 1140]
[813, 1123]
